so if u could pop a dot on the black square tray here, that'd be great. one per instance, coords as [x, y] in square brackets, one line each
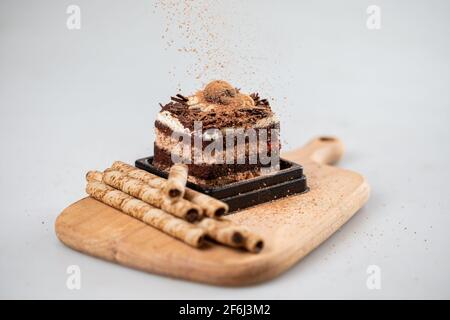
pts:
[239, 195]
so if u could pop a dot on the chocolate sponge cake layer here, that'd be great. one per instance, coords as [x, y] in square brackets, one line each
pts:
[162, 159]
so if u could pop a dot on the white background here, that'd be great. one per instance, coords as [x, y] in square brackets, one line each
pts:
[71, 101]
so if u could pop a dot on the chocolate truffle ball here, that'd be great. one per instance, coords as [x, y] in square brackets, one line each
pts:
[219, 91]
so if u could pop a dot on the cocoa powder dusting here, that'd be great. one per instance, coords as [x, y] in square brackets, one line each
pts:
[195, 28]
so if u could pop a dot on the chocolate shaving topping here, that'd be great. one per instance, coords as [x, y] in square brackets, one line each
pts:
[226, 118]
[179, 100]
[258, 102]
[255, 97]
[182, 97]
[177, 108]
[231, 110]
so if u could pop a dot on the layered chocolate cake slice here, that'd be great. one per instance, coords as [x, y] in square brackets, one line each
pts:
[223, 135]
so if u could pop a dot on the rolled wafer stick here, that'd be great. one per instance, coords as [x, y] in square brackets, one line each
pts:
[228, 233]
[223, 232]
[175, 227]
[212, 207]
[149, 178]
[176, 181]
[94, 176]
[136, 188]
[252, 242]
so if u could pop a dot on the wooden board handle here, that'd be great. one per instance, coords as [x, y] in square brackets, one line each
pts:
[323, 150]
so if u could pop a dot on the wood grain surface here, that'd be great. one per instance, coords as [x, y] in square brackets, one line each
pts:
[291, 227]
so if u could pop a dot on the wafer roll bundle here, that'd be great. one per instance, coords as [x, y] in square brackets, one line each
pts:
[178, 228]
[176, 181]
[211, 206]
[137, 188]
[154, 196]
[102, 186]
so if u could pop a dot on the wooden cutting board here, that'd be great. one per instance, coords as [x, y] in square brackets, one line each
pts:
[291, 227]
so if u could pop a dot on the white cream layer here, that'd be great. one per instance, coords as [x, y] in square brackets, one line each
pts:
[166, 118]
